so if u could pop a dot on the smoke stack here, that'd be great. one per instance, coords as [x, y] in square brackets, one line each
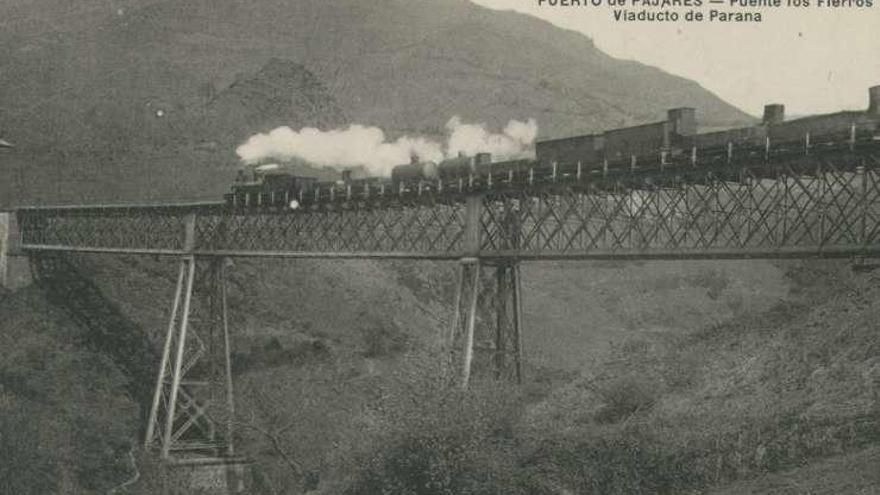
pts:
[413, 159]
[874, 100]
[774, 113]
[483, 158]
[684, 121]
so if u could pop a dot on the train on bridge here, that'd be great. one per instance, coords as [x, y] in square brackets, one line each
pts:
[668, 145]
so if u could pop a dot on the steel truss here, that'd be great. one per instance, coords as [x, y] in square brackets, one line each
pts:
[815, 205]
[806, 208]
[193, 406]
[484, 289]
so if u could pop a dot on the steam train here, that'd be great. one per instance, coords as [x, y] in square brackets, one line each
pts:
[647, 148]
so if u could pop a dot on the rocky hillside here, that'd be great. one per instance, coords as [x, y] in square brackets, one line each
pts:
[280, 93]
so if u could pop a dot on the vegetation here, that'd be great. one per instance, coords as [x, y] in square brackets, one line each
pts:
[703, 410]
[66, 417]
[761, 394]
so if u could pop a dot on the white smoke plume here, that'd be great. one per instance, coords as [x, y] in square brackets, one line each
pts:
[342, 148]
[470, 139]
[365, 146]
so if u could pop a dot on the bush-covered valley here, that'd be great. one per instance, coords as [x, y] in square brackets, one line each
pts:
[703, 377]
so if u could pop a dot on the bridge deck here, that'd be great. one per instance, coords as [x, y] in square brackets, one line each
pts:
[826, 205]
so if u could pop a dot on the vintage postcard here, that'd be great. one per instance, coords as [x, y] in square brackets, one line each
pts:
[517, 247]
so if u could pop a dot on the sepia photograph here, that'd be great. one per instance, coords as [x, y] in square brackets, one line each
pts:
[439, 247]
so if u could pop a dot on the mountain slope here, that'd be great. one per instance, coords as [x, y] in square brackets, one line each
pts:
[281, 93]
[107, 100]
[747, 403]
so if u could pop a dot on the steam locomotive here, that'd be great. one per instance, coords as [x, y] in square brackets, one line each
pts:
[653, 147]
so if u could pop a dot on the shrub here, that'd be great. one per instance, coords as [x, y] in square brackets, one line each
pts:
[26, 465]
[679, 369]
[434, 439]
[714, 281]
[383, 340]
[630, 461]
[624, 397]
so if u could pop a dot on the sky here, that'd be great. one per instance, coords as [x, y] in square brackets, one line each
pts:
[813, 60]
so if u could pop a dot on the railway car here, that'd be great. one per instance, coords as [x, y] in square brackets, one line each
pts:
[649, 145]
[507, 172]
[775, 138]
[646, 145]
[463, 166]
[571, 150]
[414, 171]
[822, 132]
[721, 147]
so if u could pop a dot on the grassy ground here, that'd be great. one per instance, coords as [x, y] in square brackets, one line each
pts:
[854, 473]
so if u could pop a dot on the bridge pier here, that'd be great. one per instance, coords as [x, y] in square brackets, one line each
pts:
[503, 298]
[191, 422]
[14, 267]
[498, 301]
[193, 390]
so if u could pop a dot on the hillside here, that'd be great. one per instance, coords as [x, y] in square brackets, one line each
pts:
[763, 403]
[118, 100]
[735, 377]
[281, 92]
[360, 340]
[67, 413]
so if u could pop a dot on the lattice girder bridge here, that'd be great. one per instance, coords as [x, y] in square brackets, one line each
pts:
[813, 206]
[820, 206]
